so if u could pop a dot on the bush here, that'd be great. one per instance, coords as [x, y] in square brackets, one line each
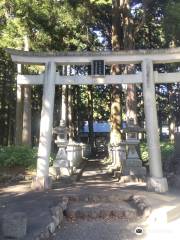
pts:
[167, 150]
[18, 156]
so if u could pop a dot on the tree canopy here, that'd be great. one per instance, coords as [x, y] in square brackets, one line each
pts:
[67, 25]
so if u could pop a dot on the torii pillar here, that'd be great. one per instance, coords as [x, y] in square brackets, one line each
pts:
[42, 180]
[156, 181]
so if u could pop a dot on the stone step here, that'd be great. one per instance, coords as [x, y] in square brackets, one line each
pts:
[82, 210]
[96, 198]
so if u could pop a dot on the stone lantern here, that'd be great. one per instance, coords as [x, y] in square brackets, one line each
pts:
[61, 160]
[133, 164]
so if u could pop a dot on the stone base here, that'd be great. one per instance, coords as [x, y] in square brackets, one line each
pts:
[66, 172]
[132, 179]
[57, 172]
[54, 173]
[157, 184]
[61, 164]
[112, 168]
[41, 183]
[136, 171]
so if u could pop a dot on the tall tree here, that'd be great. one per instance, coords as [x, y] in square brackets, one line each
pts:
[115, 135]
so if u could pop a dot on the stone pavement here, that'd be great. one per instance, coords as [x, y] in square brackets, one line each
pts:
[94, 181]
[162, 223]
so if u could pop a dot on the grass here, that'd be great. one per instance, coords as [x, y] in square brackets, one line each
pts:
[19, 156]
[13, 156]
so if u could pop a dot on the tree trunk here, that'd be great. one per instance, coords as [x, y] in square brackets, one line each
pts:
[115, 134]
[19, 111]
[172, 122]
[131, 103]
[78, 99]
[26, 133]
[122, 38]
[172, 127]
[3, 112]
[90, 116]
[128, 40]
[64, 104]
[70, 121]
[117, 44]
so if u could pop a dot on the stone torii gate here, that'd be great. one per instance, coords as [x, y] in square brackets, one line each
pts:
[147, 77]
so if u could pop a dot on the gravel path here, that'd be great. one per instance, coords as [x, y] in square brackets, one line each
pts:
[97, 230]
[117, 230]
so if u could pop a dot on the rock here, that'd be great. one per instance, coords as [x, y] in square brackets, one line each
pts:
[61, 216]
[28, 178]
[5, 177]
[41, 183]
[41, 237]
[55, 211]
[14, 225]
[64, 203]
[46, 233]
[143, 208]
[56, 221]
[20, 177]
[52, 227]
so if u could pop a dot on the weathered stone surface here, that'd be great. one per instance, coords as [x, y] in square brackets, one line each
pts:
[14, 225]
[101, 210]
[54, 172]
[55, 211]
[56, 221]
[52, 227]
[64, 203]
[41, 183]
[157, 184]
[46, 233]
[141, 204]
[106, 53]
[137, 171]
[132, 178]
[57, 214]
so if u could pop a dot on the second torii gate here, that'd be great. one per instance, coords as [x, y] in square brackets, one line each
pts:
[147, 77]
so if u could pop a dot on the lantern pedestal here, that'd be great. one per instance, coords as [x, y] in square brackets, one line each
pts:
[133, 164]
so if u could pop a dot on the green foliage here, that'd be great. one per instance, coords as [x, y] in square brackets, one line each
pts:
[18, 156]
[172, 22]
[51, 25]
[167, 149]
[144, 151]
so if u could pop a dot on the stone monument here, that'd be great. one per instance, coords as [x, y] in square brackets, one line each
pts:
[133, 164]
[61, 163]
